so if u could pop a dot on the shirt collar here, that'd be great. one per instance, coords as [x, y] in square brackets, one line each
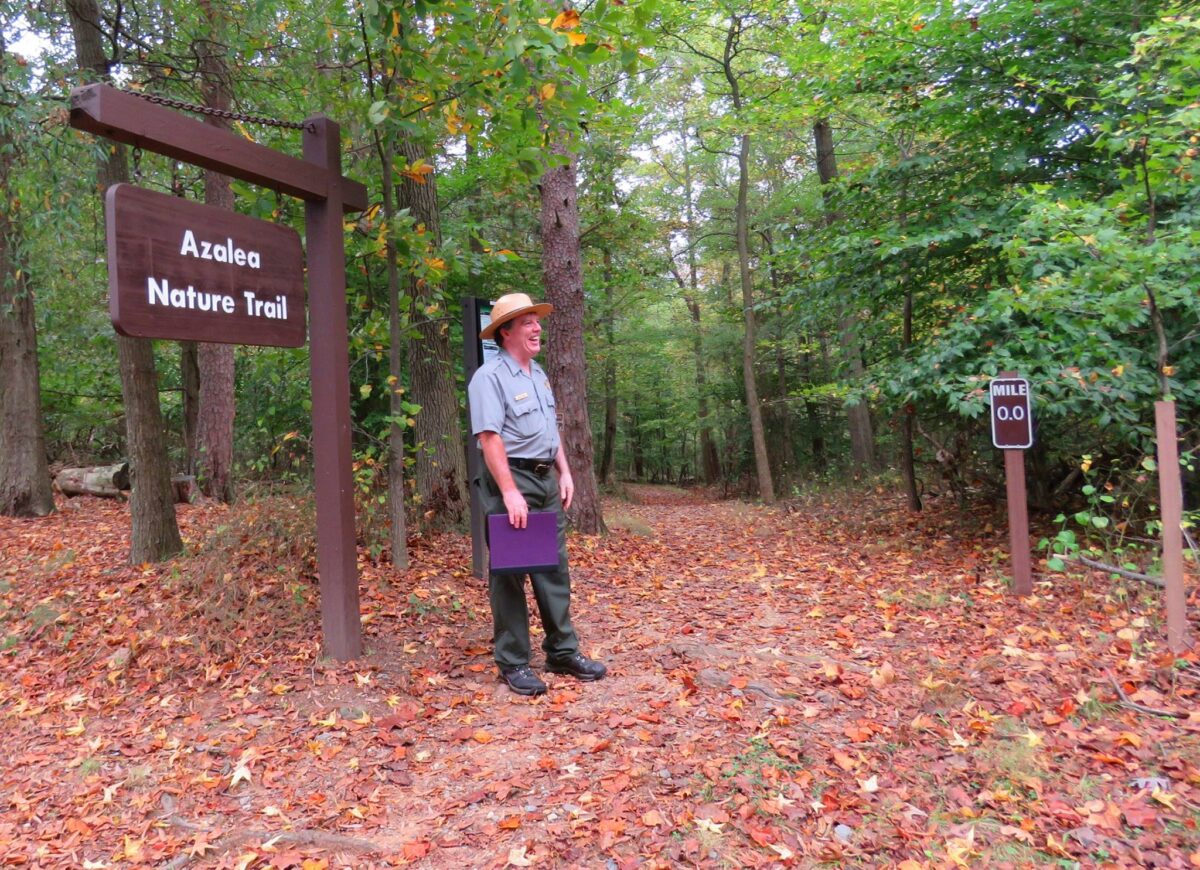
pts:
[514, 367]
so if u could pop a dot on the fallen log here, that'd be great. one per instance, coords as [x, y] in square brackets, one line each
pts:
[106, 481]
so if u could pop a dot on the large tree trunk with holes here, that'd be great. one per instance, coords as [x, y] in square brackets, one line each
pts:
[858, 417]
[24, 478]
[562, 276]
[214, 424]
[441, 469]
[155, 534]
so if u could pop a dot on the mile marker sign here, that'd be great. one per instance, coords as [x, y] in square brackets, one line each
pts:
[1012, 420]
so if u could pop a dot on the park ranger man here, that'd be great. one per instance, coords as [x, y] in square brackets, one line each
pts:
[513, 414]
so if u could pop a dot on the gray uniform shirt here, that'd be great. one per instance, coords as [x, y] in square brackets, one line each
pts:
[518, 407]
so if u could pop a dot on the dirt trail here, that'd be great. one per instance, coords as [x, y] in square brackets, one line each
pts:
[788, 686]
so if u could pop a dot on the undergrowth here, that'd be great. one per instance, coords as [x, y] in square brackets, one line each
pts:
[257, 565]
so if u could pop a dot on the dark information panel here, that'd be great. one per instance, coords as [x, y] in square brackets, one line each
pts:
[186, 271]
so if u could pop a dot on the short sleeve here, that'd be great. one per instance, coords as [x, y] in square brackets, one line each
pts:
[487, 402]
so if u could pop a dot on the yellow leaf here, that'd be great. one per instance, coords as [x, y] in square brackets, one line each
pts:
[1128, 738]
[315, 864]
[76, 730]
[568, 19]
[548, 90]
[870, 786]
[1032, 738]
[577, 38]
[133, 849]
[884, 675]
[1165, 798]
[930, 683]
[242, 770]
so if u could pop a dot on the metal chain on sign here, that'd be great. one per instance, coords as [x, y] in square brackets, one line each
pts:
[172, 103]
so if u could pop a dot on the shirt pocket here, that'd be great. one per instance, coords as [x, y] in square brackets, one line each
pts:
[527, 419]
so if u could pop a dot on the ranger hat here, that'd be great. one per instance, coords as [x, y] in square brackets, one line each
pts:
[513, 305]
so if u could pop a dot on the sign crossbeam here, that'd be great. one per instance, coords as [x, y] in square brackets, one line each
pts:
[126, 118]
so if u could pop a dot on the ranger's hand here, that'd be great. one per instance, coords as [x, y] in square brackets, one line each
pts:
[566, 489]
[518, 509]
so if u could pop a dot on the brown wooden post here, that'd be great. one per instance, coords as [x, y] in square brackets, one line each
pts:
[1005, 433]
[336, 552]
[1018, 521]
[1171, 499]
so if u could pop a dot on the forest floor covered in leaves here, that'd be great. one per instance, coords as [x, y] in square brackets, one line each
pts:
[832, 682]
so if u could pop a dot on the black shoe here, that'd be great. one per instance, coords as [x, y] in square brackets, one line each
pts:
[578, 666]
[523, 680]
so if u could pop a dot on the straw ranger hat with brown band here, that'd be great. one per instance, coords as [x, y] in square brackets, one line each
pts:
[513, 305]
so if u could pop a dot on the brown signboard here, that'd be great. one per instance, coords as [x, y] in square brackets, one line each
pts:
[182, 270]
[1012, 418]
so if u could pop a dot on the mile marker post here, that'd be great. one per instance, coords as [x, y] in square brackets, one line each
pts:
[1012, 432]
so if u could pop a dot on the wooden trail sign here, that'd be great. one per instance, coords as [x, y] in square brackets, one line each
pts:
[190, 272]
[1012, 431]
[317, 179]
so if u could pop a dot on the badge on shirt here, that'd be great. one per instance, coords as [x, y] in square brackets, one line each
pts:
[520, 397]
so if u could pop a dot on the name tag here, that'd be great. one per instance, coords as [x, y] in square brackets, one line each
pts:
[520, 397]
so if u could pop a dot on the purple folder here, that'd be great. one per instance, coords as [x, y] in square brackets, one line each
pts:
[521, 551]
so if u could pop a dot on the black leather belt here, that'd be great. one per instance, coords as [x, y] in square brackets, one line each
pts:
[540, 467]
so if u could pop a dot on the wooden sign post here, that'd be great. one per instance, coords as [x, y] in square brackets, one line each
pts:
[316, 179]
[1170, 490]
[1012, 432]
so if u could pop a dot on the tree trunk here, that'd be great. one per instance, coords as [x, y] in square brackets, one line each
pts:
[189, 379]
[607, 474]
[397, 497]
[24, 478]
[397, 491]
[858, 417]
[766, 487]
[441, 463]
[908, 465]
[155, 534]
[710, 462]
[562, 276]
[214, 428]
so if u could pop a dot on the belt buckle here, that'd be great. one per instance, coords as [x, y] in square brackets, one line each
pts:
[541, 469]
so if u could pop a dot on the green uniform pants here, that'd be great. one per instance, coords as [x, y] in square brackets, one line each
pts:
[551, 589]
